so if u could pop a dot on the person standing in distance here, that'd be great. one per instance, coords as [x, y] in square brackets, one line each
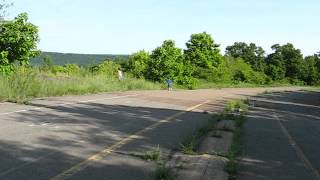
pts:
[120, 75]
[170, 84]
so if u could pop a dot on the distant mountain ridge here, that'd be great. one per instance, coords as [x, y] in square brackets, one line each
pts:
[80, 59]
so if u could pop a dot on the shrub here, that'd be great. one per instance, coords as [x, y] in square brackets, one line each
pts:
[71, 69]
[108, 68]
[138, 63]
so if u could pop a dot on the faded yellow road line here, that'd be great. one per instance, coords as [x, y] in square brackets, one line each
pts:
[298, 150]
[100, 155]
[41, 107]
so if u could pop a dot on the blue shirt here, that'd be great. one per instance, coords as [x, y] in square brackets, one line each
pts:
[169, 82]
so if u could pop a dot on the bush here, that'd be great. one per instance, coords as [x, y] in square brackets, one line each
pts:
[188, 82]
[234, 71]
[57, 69]
[27, 83]
[108, 68]
[138, 63]
[20, 85]
[71, 69]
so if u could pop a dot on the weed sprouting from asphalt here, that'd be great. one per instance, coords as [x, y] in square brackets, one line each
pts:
[188, 145]
[235, 149]
[234, 111]
[164, 172]
[237, 106]
[234, 152]
[191, 142]
[153, 155]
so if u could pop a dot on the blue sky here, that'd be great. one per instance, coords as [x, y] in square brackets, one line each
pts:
[123, 26]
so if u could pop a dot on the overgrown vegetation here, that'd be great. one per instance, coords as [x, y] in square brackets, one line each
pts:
[26, 83]
[236, 109]
[234, 152]
[191, 142]
[237, 106]
[163, 172]
[153, 155]
[200, 65]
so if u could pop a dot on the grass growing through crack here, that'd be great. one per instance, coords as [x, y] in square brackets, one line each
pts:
[235, 149]
[233, 153]
[153, 155]
[235, 111]
[191, 142]
[164, 172]
[237, 106]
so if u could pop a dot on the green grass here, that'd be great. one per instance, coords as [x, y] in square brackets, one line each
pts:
[209, 85]
[28, 83]
[234, 152]
[237, 106]
[23, 86]
[164, 172]
[153, 155]
[235, 149]
[191, 142]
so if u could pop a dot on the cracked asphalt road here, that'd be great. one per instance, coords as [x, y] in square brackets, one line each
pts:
[94, 136]
[282, 137]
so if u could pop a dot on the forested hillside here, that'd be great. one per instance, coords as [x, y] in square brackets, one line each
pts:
[80, 59]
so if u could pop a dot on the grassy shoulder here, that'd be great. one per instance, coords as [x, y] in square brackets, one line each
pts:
[23, 86]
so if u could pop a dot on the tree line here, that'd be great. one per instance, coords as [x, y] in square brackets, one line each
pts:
[201, 60]
[242, 62]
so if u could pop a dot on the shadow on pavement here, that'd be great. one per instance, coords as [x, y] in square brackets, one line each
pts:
[42, 144]
[267, 153]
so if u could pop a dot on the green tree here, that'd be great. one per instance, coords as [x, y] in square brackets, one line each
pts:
[251, 54]
[18, 40]
[138, 63]
[166, 62]
[71, 69]
[286, 61]
[108, 68]
[311, 73]
[202, 51]
[317, 56]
